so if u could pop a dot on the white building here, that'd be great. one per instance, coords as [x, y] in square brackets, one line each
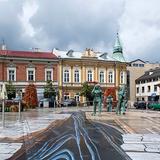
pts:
[136, 69]
[147, 85]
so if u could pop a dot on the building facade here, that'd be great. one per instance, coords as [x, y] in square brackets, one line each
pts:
[147, 86]
[25, 67]
[136, 69]
[89, 66]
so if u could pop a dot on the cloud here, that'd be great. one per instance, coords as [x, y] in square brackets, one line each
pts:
[139, 29]
[82, 24]
[29, 9]
[62, 24]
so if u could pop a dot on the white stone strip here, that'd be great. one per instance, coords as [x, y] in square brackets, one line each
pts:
[8, 149]
[142, 146]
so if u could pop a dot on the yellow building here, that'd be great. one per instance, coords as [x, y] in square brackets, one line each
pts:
[75, 68]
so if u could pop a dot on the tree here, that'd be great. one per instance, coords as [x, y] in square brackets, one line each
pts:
[86, 91]
[30, 96]
[11, 90]
[49, 90]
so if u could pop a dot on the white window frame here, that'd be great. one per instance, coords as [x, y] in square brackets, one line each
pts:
[90, 75]
[50, 70]
[13, 69]
[66, 80]
[76, 78]
[31, 69]
[103, 76]
[110, 79]
[122, 77]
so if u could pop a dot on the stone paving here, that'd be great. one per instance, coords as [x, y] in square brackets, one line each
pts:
[31, 121]
[142, 147]
[8, 149]
[141, 129]
[141, 132]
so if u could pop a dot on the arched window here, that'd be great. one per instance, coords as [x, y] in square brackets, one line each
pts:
[110, 77]
[76, 76]
[90, 75]
[66, 75]
[101, 76]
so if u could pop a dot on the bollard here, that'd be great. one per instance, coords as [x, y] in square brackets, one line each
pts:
[3, 114]
[19, 111]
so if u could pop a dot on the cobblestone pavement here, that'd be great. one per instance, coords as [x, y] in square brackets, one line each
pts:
[141, 132]
[140, 128]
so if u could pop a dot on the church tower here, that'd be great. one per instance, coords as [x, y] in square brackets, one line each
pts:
[118, 50]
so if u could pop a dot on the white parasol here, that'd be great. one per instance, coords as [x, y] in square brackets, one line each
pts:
[3, 94]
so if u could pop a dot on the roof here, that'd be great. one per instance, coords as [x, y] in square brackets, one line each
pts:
[79, 55]
[137, 60]
[28, 54]
[152, 73]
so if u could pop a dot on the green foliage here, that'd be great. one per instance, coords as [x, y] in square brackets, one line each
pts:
[49, 90]
[86, 90]
[11, 90]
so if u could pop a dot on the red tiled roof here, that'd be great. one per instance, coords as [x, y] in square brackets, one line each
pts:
[28, 54]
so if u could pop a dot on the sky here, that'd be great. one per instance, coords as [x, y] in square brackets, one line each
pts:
[81, 24]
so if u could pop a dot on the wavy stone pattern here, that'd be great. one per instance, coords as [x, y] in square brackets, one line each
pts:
[75, 139]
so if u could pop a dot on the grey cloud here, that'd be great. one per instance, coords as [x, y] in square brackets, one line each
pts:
[78, 24]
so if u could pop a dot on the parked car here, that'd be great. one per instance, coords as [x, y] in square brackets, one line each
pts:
[154, 106]
[69, 102]
[140, 105]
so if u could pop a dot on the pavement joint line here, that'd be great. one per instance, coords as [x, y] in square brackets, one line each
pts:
[155, 122]
[150, 130]
[124, 126]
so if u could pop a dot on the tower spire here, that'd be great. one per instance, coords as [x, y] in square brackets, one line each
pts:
[118, 50]
[117, 46]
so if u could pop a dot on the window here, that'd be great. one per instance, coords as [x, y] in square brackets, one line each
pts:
[66, 96]
[76, 76]
[155, 88]
[90, 76]
[135, 64]
[101, 76]
[48, 75]
[66, 75]
[11, 75]
[122, 77]
[142, 89]
[141, 65]
[110, 77]
[149, 88]
[30, 74]
[77, 97]
[137, 89]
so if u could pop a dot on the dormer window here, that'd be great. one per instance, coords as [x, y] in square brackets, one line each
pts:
[104, 55]
[70, 53]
